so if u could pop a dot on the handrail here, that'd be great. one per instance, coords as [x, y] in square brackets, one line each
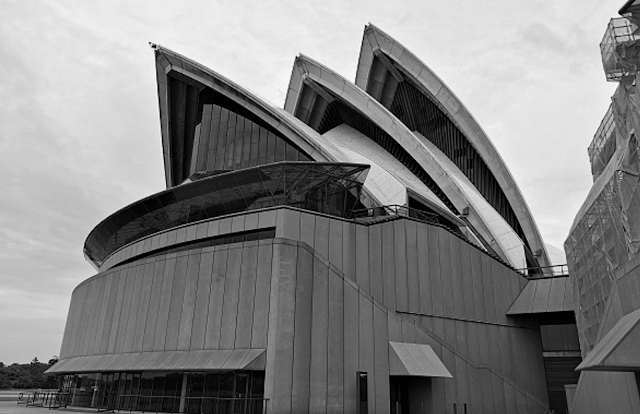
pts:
[394, 210]
[542, 272]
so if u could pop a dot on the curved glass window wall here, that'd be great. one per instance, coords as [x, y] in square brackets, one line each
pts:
[331, 188]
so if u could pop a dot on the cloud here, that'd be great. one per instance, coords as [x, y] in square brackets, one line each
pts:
[81, 132]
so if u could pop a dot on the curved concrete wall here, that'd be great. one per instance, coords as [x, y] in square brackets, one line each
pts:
[325, 298]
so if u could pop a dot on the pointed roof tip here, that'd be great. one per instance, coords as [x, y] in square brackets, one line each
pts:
[153, 46]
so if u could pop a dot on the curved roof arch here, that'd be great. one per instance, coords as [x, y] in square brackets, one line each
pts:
[401, 64]
[308, 73]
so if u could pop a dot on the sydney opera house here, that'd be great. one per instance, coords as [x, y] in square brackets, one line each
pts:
[362, 250]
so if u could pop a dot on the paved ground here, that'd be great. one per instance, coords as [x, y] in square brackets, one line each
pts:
[10, 407]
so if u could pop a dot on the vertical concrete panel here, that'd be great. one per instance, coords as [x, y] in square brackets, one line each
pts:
[455, 247]
[66, 337]
[251, 221]
[237, 223]
[335, 338]
[413, 282]
[263, 291]
[400, 265]
[290, 225]
[351, 348]
[367, 351]
[363, 258]
[86, 319]
[307, 228]
[284, 268]
[177, 296]
[381, 352]
[189, 301]
[213, 229]
[505, 352]
[496, 366]
[500, 286]
[125, 317]
[449, 360]
[117, 310]
[335, 243]
[467, 282]
[510, 398]
[216, 299]
[111, 303]
[461, 366]
[388, 266]
[79, 296]
[436, 270]
[143, 309]
[446, 259]
[424, 270]
[475, 385]
[302, 329]
[489, 292]
[247, 295]
[516, 364]
[319, 329]
[225, 225]
[478, 288]
[134, 307]
[98, 321]
[165, 302]
[154, 305]
[267, 218]
[203, 293]
[395, 327]
[230, 301]
[349, 257]
[321, 242]
[375, 262]
[85, 323]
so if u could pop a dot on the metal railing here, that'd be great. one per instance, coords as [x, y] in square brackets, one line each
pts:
[49, 399]
[541, 272]
[374, 213]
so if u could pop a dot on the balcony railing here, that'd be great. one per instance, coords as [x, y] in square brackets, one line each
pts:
[541, 272]
[376, 213]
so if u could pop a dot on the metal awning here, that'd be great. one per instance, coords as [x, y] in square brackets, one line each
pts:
[544, 295]
[407, 358]
[619, 349]
[223, 359]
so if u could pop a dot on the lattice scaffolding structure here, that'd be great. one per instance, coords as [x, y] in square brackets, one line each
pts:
[603, 145]
[620, 50]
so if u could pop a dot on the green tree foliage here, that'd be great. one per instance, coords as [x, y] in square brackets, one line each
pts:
[29, 375]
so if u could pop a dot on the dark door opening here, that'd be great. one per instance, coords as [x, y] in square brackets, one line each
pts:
[399, 390]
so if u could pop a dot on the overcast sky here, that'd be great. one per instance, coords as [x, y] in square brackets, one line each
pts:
[80, 132]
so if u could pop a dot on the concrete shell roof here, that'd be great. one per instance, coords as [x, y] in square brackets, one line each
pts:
[375, 40]
[307, 70]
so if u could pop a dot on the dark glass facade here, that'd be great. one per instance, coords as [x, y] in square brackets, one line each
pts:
[204, 392]
[211, 132]
[324, 187]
